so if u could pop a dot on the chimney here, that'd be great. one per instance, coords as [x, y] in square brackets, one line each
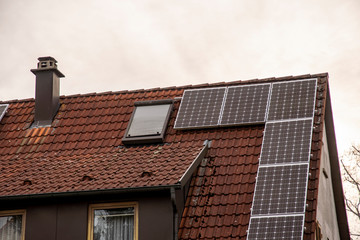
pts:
[47, 92]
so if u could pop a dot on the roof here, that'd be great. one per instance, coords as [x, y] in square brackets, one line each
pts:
[85, 141]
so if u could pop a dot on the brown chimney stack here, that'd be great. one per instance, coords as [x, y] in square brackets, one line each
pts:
[47, 91]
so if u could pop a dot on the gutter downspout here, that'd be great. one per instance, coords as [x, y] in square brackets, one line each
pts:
[175, 214]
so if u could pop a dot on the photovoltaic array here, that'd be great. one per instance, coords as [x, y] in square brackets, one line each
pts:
[245, 104]
[3, 108]
[278, 209]
[290, 100]
[281, 227]
[200, 108]
[287, 109]
[211, 107]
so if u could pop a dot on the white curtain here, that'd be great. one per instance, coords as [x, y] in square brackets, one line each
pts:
[117, 224]
[10, 227]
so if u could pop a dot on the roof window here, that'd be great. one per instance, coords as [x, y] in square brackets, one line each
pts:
[148, 122]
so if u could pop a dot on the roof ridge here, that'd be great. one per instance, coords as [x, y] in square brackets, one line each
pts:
[201, 85]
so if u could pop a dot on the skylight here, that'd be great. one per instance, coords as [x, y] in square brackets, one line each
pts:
[148, 122]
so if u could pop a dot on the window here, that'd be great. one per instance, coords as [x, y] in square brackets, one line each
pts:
[148, 122]
[12, 225]
[115, 221]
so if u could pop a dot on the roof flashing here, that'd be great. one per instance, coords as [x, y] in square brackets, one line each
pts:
[3, 109]
[193, 166]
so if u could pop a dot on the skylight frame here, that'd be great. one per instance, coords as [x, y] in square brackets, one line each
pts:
[153, 138]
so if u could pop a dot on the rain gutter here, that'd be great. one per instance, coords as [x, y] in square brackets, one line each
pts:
[90, 193]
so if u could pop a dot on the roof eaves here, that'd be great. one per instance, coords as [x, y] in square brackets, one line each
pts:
[335, 171]
[89, 193]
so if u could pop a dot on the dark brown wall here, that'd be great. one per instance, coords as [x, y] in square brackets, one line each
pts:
[155, 219]
[56, 221]
[41, 222]
[72, 221]
[67, 218]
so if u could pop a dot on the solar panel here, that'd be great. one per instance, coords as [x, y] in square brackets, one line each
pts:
[280, 190]
[200, 108]
[3, 108]
[293, 99]
[246, 104]
[286, 142]
[282, 227]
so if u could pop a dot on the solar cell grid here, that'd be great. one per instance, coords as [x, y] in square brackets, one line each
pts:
[280, 190]
[245, 104]
[275, 228]
[286, 142]
[291, 100]
[3, 108]
[200, 108]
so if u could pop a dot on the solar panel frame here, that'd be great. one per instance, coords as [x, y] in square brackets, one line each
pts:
[3, 109]
[191, 113]
[285, 105]
[222, 106]
[250, 108]
[280, 189]
[276, 227]
[288, 139]
[268, 103]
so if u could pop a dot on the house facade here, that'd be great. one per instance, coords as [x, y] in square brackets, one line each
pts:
[250, 159]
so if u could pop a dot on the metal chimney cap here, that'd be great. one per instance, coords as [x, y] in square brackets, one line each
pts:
[46, 64]
[48, 58]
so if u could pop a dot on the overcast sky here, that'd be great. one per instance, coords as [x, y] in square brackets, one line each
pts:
[111, 45]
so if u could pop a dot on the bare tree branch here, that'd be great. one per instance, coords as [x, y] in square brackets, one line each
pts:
[351, 177]
[356, 149]
[352, 208]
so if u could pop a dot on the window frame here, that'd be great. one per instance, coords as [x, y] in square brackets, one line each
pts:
[21, 212]
[158, 138]
[100, 206]
[2, 113]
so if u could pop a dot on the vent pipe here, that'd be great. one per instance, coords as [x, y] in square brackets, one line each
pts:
[47, 92]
